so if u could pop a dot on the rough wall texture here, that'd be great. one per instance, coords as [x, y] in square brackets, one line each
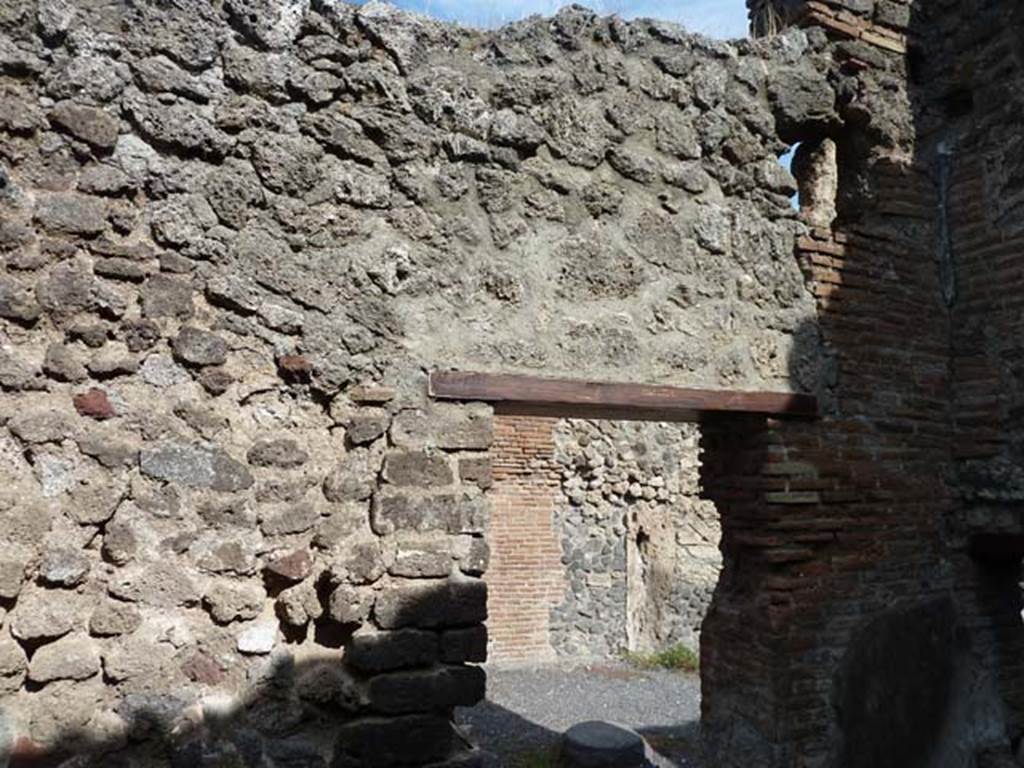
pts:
[221, 220]
[639, 545]
[233, 236]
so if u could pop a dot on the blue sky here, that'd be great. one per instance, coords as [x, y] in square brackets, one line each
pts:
[717, 18]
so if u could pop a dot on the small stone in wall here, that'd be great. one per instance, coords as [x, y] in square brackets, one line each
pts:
[13, 562]
[294, 368]
[110, 362]
[477, 470]
[92, 125]
[340, 524]
[112, 451]
[114, 618]
[363, 429]
[194, 346]
[422, 557]
[371, 394]
[23, 521]
[474, 555]
[283, 453]
[258, 639]
[39, 615]
[63, 567]
[93, 335]
[215, 380]
[195, 466]
[281, 318]
[348, 605]
[141, 663]
[353, 478]
[72, 214]
[299, 605]
[74, 657]
[162, 371]
[201, 668]
[292, 566]
[160, 584]
[119, 543]
[229, 602]
[205, 421]
[296, 518]
[140, 335]
[38, 427]
[16, 302]
[62, 364]
[13, 665]
[95, 404]
[359, 563]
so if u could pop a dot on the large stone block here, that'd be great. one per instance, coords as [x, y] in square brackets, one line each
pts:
[384, 742]
[422, 556]
[417, 469]
[455, 602]
[447, 513]
[431, 690]
[444, 426]
[459, 646]
[370, 651]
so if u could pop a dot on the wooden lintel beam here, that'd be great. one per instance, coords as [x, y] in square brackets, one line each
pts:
[596, 399]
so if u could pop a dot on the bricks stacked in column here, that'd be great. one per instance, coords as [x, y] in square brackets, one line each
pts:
[828, 526]
[526, 578]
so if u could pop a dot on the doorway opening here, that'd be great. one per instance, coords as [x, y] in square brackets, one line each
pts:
[600, 544]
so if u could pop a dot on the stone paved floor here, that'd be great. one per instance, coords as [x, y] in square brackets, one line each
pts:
[528, 708]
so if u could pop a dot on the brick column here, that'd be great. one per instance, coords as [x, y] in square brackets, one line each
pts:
[526, 577]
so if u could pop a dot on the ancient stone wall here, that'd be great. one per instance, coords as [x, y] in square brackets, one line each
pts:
[234, 235]
[639, 545]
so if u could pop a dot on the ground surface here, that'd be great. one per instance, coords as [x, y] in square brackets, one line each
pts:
[528, 708]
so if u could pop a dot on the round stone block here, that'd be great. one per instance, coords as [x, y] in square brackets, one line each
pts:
[596, 744]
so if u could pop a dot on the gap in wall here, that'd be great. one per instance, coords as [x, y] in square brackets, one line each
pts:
[600, 543]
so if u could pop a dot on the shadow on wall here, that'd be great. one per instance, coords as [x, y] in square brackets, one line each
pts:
[853, 623]
[388, 700]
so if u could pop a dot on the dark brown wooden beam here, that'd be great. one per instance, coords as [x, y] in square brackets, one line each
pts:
[595, 399]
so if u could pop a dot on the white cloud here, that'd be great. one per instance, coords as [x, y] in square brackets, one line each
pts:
[718, 18]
